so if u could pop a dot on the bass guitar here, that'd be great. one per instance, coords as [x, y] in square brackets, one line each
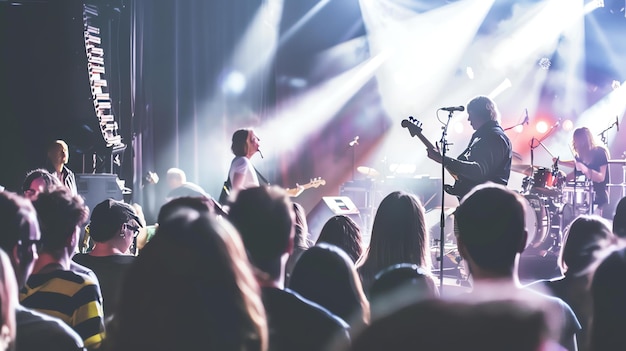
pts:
[415, 129]
[299, 189]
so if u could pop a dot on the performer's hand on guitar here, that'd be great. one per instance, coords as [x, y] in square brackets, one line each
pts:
[434, 154]
[295, 192]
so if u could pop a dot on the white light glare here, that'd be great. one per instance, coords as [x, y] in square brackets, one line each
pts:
[234, 83]
[542, 127]
[470, 72]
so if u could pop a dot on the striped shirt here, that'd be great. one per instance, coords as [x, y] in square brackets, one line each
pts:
[72, 297]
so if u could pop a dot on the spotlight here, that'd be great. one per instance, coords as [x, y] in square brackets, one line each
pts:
[542, 127]
[545, 63]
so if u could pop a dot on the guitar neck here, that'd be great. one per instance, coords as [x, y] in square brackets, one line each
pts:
[425, 141]
[294, 192]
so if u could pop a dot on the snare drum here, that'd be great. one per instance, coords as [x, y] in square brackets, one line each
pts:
[537, 220]
[547, 182]
[581, 196]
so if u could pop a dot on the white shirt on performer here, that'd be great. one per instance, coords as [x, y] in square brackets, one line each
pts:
[241, 168]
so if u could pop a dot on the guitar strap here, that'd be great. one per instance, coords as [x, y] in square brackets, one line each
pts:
[261, 177]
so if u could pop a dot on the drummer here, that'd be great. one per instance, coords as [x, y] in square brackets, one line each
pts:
[590, 160]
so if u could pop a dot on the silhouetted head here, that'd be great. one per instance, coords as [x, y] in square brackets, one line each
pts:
[264, 217]
[20, 236]
[490, 228]
[619, 220]
[60, 216]
[325, 275]
[195, 272]
[343, 232]
[399, 235]
[585, 243]
[38, 181]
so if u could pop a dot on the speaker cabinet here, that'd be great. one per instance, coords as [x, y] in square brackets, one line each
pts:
[95, 188]
[328, 207]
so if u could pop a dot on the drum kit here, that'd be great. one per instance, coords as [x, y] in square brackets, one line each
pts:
[552, 203]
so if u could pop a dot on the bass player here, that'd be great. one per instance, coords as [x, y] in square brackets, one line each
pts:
[488, 154]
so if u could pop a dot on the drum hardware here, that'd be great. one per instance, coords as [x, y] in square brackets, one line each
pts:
[543, 187]
[621, 162]
[524, 168]
[537, 220]
[547, 181]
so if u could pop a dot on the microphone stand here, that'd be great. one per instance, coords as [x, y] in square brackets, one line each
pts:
[353, 145]
[603, 133]
[515, 125]
[442, 219]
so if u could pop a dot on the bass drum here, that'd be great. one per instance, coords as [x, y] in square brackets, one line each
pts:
[537, 220]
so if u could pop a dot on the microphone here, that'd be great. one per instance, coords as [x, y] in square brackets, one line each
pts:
[355, 141]
[555, 166]
[260, 153]
[617, 123]
[526, 120]
[453, 108]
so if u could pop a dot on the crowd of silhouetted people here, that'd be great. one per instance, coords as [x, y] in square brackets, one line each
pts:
[251, 278]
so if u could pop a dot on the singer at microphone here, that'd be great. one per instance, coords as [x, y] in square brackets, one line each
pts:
[488, 154]
[453, 108]
[242, 173]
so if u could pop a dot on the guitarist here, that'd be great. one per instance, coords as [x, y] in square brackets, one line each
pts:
[488, 154]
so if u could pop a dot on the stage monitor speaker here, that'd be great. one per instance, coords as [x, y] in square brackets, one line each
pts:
[95, 188]
[328, 207]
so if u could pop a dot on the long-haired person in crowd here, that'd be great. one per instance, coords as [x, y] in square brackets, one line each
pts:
[591, 160]
[8, 303]
[38, 181]
[619, 220]
[300, 241]
[191, 288]
[326, 275]
[343, 232]
[399, 235]
[609, 303]
[586, 243]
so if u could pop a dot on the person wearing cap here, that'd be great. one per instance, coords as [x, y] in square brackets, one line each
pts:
[113, 226]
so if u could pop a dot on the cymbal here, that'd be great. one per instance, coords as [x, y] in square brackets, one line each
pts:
[525, 169]
[517, 155]
[368, 171]
[618, 162]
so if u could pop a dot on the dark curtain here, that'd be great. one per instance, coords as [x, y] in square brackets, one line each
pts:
[180, 51]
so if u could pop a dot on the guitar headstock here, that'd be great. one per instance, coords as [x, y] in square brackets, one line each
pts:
[151, 178]
[316, 182]
[413, 125]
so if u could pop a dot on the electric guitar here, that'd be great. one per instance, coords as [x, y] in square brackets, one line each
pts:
[415, 129]
[299, 189]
